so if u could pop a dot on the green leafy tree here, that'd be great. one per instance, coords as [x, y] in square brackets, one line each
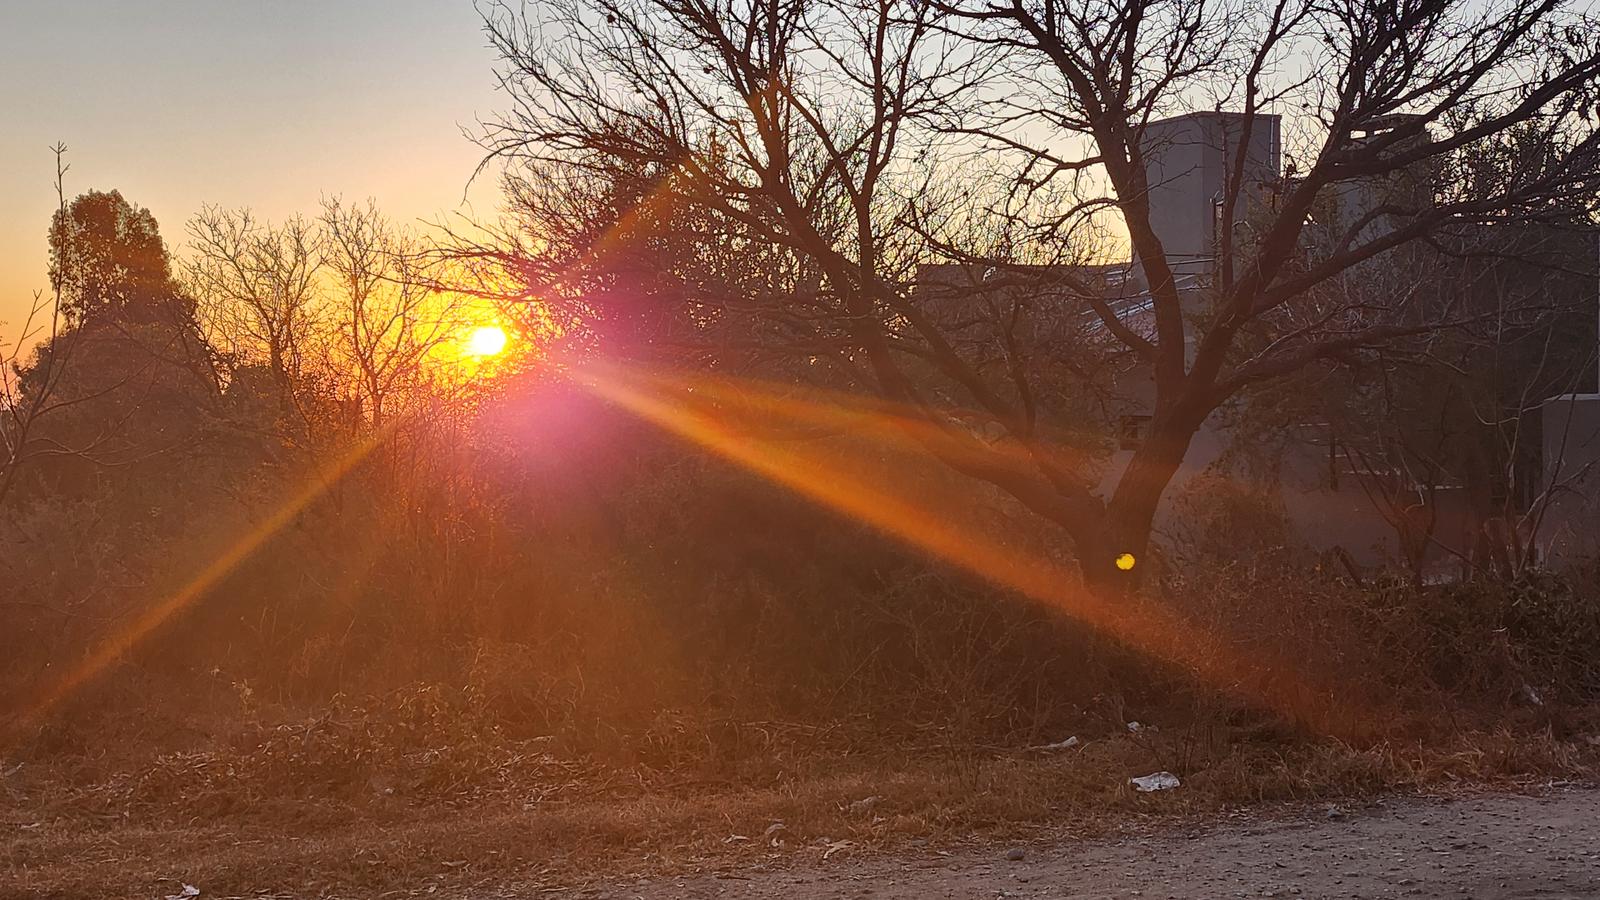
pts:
[108, 260]
[141, 388]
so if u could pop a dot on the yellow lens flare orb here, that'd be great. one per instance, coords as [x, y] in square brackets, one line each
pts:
[1125, 562]
[486, 340]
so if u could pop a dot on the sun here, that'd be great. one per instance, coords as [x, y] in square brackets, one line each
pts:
[486, 340]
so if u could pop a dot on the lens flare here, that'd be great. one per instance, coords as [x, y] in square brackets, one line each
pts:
[127, 637]
[874, 486]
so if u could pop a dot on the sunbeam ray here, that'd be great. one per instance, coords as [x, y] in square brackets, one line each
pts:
[113, 647]
[919, 518]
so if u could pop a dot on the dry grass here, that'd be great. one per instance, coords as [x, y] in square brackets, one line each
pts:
[574, 725]
[258, 821]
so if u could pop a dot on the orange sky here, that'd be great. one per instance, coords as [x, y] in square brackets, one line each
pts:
[178, 103]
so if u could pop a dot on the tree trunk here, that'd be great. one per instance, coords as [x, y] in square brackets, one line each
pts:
[1115, 558]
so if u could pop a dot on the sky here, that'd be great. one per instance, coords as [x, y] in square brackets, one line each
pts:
[269, 104]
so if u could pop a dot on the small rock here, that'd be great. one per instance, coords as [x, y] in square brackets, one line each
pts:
[863, 806]
[1016, 854]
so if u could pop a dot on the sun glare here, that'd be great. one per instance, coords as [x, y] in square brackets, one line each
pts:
[486, 340]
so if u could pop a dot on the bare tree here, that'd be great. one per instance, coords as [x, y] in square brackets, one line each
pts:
[23, 409]
[387, 311]
[1392, 100]
[1442, 431]
[815, 125]
[258, 291]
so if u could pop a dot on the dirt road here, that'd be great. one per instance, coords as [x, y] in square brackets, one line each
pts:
[1483, 847]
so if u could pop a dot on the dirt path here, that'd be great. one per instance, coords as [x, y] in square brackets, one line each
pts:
[1482, 847]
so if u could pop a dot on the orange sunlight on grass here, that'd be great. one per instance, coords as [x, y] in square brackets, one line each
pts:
[130, 635]
[872, 488]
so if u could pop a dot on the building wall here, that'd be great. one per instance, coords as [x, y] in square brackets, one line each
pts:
[1188, 159]
[1570, 529]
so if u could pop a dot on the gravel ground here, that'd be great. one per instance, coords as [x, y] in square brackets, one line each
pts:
[1486, 846]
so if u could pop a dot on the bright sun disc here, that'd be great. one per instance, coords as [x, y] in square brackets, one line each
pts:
[487, 340]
